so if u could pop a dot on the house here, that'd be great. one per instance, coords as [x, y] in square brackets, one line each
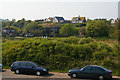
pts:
[67, 21]
[50, 19]
[50, 32]
[58, 19]
[112, 22]
[9, 32]
[40, 20]
[78, 19]
[5, 20]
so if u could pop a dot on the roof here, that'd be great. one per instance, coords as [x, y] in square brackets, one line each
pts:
[74, 18]
[95, 66]
[59, 18]
[23, 61]
[92, 65]
[82, 18]
[79, 18]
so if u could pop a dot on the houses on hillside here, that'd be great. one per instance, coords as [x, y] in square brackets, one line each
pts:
[5, 20]
[78, 19]
[62, 20]
[9, 32]
[58, 19]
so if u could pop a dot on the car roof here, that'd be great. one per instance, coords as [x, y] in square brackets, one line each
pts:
[97, 66]
[23, 61]
[94, 65]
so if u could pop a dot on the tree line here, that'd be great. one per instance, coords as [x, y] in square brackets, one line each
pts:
[92, 28]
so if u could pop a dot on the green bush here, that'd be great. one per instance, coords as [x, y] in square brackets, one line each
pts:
[86, 40]
[60, 53]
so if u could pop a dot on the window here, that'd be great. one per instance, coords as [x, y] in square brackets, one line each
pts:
[22, 64]
[28, 65]
[16, 64]
[96, 69]
[87, 68]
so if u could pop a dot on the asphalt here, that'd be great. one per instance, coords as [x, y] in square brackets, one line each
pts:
[6, 74]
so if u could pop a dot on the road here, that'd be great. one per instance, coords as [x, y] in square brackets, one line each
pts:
[6, 73]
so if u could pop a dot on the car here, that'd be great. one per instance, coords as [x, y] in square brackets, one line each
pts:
[29, 67]
[1, 66]
[91, 71]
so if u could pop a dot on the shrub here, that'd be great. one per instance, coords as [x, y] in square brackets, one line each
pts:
[86, 40]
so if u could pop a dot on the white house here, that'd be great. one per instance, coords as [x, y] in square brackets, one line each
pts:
[58, 19]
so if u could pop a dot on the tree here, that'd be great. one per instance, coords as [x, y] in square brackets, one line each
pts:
[115, 33]
[33, 28]
[68, 30]
[82, 31]
[19, 23]
[13, 20]
[98, 28]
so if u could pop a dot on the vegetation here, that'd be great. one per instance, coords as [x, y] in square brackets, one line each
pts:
[67, 30]
[93, 28]
[98, 44]
[61, 54]
[98, 28]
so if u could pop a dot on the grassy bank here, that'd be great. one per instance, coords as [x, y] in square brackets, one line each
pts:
[62, 54]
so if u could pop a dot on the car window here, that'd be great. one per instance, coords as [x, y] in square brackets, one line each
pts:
[102, 69]
[30, 65]
[22, 64]
[16, 64]
[87, 68]
[34, 65]
[96, 69]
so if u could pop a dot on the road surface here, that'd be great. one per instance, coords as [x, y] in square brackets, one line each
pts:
[7, 74]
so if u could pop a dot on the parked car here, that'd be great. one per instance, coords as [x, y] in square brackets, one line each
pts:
[1, 66]
[28, 67]
[91, 71]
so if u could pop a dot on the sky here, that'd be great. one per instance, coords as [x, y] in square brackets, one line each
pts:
[41, 9]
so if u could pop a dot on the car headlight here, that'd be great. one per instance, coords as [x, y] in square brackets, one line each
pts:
[69, 70]
[44, 70]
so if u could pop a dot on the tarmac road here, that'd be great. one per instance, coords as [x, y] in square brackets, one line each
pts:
[9, 75]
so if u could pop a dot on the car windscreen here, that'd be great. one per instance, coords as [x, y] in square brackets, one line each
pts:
[37, 65]
[104, 68]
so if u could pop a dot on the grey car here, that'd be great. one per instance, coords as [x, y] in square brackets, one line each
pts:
[91, 71]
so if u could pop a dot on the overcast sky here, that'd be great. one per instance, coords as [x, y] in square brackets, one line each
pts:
[34, 9]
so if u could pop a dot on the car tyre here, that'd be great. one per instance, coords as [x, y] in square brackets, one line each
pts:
[74, 75]
[101, 77]
[38, 73]
[17, 71]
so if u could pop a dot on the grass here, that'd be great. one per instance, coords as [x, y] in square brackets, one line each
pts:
[6, 67]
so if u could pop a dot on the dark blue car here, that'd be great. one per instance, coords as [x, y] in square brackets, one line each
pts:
[28, 67]
[91, 71]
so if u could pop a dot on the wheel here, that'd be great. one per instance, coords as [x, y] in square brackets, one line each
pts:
[38, 73]
[73, 75]
[101, 77]
[17, 71]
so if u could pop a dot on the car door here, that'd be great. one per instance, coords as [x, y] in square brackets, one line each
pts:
[96, 71]
[22, 67]
[85, 72]
[30, 68]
